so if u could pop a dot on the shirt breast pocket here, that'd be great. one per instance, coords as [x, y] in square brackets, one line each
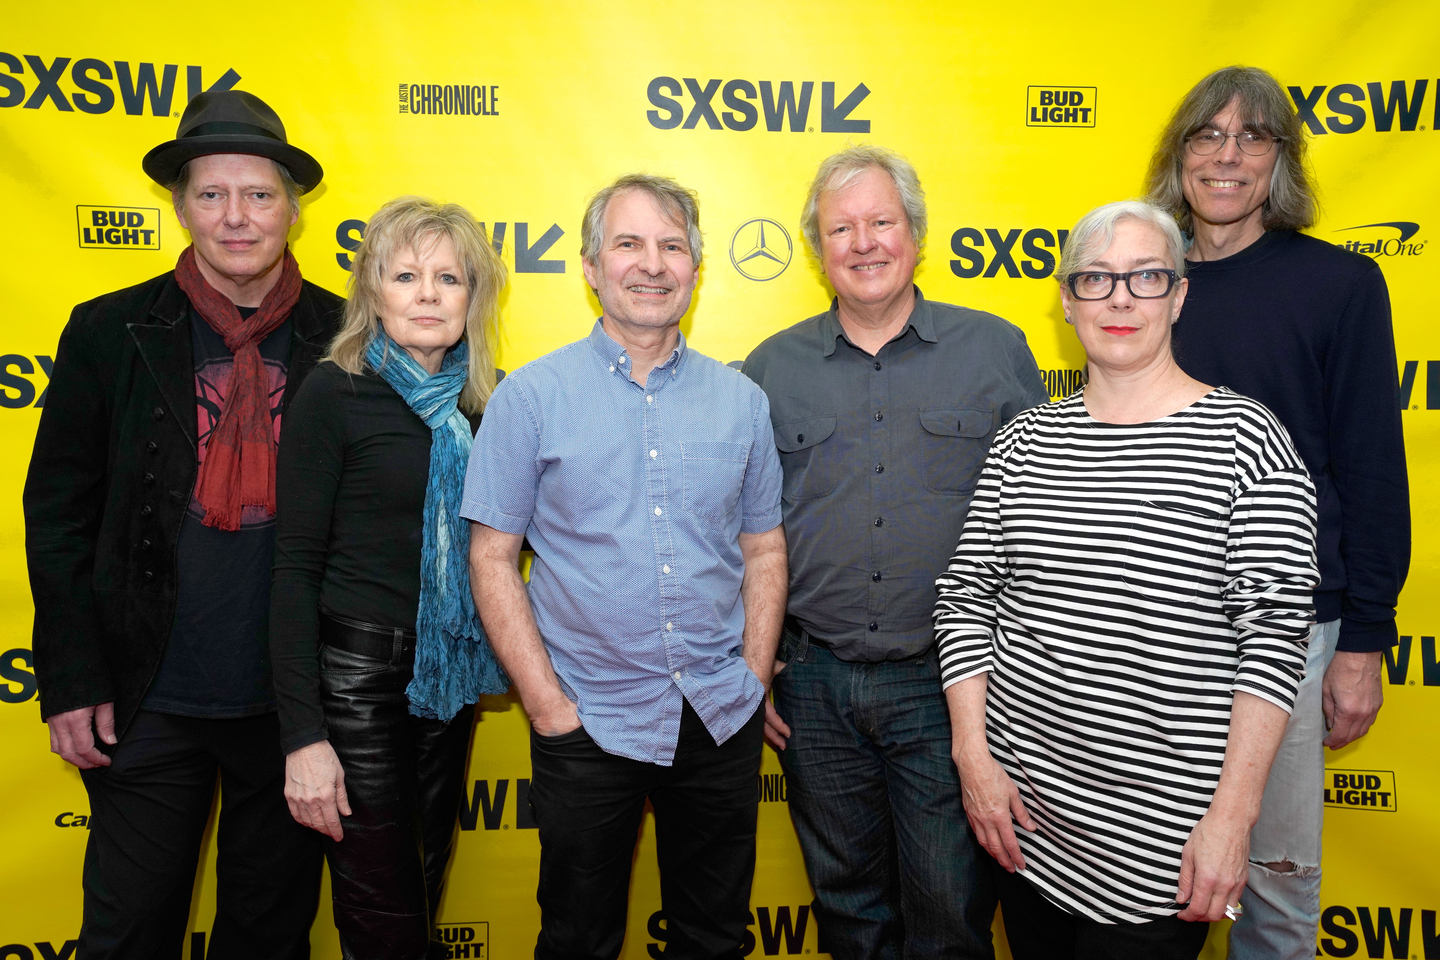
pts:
[711, 475]
[953, 445]
[807, 461]
[1173, 550]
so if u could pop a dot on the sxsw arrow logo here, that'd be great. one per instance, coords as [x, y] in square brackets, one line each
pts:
[527, 255]
[741, 103]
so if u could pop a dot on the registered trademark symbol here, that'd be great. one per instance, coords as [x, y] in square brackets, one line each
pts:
[812, 130]
[174, 114]
[506, 826]
[1412, 683]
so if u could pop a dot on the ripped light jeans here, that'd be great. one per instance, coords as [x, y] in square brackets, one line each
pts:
[1282, 910]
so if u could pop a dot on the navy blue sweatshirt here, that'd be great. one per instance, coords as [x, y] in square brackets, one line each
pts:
[1304, 327]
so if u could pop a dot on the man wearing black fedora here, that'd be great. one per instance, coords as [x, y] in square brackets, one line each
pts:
[149, 516]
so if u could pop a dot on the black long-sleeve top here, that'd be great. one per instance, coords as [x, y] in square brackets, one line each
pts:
[1304, 327]
[350, 498]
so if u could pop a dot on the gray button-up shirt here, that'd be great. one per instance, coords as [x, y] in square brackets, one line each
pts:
[881, 456]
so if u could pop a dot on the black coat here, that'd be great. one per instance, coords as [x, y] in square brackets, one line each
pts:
[110, 481]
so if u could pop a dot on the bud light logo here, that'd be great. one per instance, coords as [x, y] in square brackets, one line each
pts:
[1048, 106]
[118, 228]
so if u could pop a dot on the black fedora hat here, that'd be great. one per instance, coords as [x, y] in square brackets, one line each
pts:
[230, 121]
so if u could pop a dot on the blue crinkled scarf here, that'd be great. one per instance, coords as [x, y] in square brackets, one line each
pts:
[454, 664]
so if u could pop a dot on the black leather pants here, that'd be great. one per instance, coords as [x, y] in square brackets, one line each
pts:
[404, 777]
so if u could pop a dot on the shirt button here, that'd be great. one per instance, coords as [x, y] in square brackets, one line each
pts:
[151, 447]
[652, 454]
[879, 521]
[879, 416]
[666, 568]
[649, 399]
[612, 368]
[799, 438]
[677, 674]
[158, 413]
[621, 360]
[874, 626]
[879, 468]
[669, 627]
[149, 576]
[146, 510]
[875, 576]
[657, 511]
[877, 364]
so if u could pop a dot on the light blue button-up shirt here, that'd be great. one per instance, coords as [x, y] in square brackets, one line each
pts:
[633, 499]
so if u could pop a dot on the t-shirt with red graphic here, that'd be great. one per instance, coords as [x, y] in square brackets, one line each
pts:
[217, 663]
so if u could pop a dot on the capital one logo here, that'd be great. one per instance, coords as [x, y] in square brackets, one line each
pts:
[761, 249]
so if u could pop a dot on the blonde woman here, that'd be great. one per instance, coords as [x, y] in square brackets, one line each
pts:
[379, 656]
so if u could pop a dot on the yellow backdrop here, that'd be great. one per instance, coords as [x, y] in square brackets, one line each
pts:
[1019, 119]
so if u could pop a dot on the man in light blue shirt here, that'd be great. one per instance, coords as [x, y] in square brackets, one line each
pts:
[646, 480]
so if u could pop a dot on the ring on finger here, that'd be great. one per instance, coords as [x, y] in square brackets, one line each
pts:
[1234, 911]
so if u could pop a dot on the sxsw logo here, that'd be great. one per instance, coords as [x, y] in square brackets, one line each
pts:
[482, 807]
[1346, 104]
[1408, 372]
[1397, 663]
[781, 930]
[1042, 248]
[1361, 790]
[118, 228]
[1387, 932]
[1380, 242]
[527, 255]
[44, 950]
[461, 100]
[17, 677]
[1060, 106]
[470, 939]
[137, 84]
[780, 102]
[17, 389]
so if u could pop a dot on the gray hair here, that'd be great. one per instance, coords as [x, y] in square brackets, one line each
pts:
[679, 203]
[838, 170]
[1264, 108]
[182, 184]
[1095, 232]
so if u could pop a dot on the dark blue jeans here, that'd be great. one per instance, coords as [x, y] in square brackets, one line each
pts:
[876, 803]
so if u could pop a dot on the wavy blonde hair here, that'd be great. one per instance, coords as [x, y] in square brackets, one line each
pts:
[412, 222]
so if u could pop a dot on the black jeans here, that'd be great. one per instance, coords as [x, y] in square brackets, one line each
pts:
[148, 812]
[1037, 929]
[588, 805]
[404, 778]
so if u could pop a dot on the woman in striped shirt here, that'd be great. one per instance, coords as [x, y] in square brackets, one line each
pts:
[1124, 623]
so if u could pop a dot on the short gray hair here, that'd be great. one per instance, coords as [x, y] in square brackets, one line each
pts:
[838, 170]
[680, 204]
[182, 183]
[1264, 108]
[1095, 232]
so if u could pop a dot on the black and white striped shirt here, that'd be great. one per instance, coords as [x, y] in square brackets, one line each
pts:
[1120, 582]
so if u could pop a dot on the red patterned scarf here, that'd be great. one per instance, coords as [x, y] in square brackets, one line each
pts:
[239, 467]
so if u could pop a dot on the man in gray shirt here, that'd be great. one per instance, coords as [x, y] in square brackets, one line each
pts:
[884, 408]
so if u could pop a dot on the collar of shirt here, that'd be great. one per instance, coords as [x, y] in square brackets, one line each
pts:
[920, 319]
[618, 358]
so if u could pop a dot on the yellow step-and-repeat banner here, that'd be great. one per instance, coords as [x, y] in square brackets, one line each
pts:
[1019, 119]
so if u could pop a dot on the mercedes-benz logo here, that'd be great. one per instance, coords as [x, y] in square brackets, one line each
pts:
[761, 249]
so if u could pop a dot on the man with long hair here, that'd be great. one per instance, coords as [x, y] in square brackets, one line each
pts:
[1304, 327]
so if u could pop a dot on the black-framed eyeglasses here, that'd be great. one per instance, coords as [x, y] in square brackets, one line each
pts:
[1205, 142]
[1148, 284]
